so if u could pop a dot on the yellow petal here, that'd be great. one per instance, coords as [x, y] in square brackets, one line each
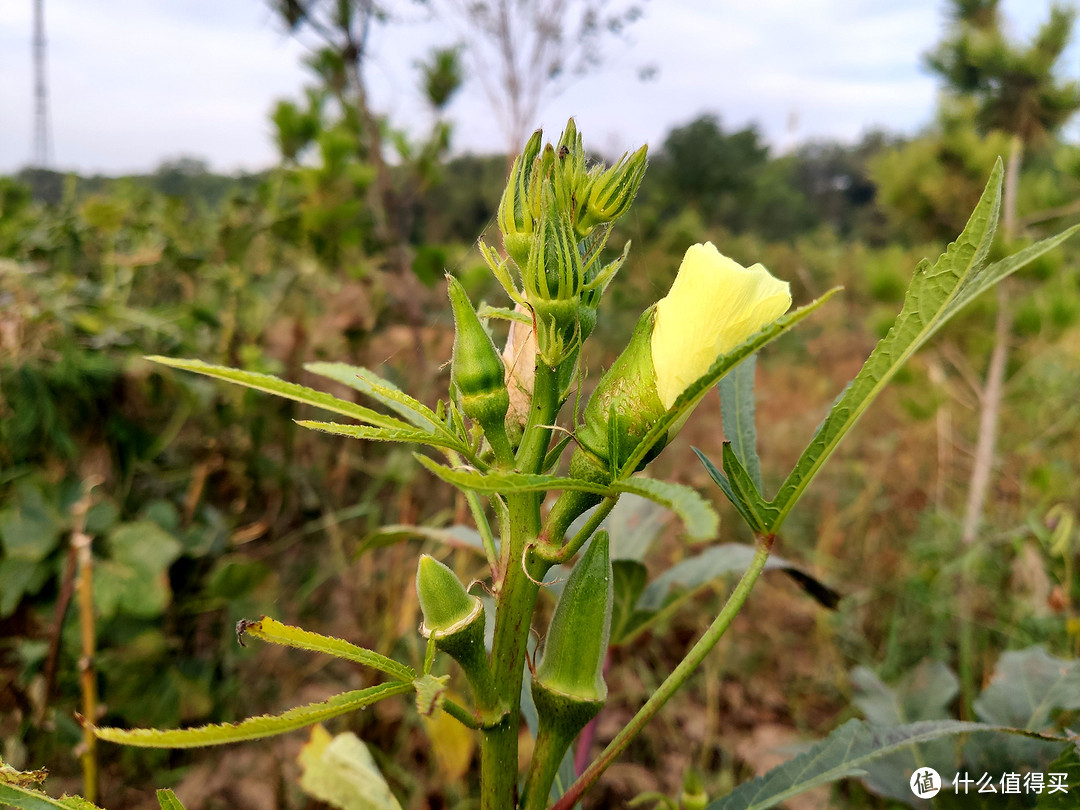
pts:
[714, 305]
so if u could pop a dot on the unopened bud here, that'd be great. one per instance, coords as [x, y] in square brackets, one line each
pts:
[520, 205]
[476, 369]
[612, 192]
[623, 408]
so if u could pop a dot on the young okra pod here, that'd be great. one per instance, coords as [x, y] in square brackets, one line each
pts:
[454, 618]
[569, 686]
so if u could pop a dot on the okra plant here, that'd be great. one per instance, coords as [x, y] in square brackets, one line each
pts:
[516, 433]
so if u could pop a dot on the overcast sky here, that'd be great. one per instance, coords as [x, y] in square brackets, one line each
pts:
[134, 82]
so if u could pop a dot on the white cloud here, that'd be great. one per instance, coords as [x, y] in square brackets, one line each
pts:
[134, 82]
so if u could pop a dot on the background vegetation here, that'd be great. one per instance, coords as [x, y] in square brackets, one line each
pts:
[208, 505]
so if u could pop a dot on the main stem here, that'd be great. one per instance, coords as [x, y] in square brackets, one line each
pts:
[675, 680]
[516, 600]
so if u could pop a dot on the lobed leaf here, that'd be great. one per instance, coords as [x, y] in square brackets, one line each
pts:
[371, 384]
[254, 727]
[406, 434]
[272, 385]
[697, 513]
[936, 293]
[842, 754]
[16, 795]
[274, 632]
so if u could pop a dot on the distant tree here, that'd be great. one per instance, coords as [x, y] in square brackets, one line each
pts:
[836, 180]
[524, 52]
[729, 178]
[338, 119]
[1016, 87]
[1016, 90]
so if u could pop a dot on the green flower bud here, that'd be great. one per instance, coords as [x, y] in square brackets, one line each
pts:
[612, 191]
[520, 205]
[570, 179]
[454, 618]
[476, 370]
[622, 409]
[569, 687]
[553, 279]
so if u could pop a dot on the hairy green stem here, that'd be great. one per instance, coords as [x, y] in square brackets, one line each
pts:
[552, 551]
[548, 754]
[675, 680]
[515, 601]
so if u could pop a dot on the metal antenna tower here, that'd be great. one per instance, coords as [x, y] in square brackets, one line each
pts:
[42, 150]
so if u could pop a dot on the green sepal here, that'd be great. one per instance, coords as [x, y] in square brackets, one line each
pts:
[577, 640]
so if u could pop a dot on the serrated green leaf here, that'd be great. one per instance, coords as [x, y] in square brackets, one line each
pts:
[842, 754]
[506, 482]
[697, 513]
[737, 410]
[24, 798]
[168, 801]
[689, 398]
[298, 393]
[1029, 689]
[408, 435]
[384, 391]
[749, 515]
[1067, 763]
[765, 514]
[936, 293]
[274, 632]
[254, 727]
